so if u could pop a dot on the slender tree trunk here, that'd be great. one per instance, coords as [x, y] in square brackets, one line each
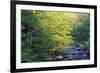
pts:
[30, 46]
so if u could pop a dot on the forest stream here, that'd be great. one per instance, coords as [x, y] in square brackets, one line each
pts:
[74, 52]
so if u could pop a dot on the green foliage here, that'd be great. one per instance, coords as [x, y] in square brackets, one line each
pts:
[44, 32]
[82, 31]
[53, 25]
